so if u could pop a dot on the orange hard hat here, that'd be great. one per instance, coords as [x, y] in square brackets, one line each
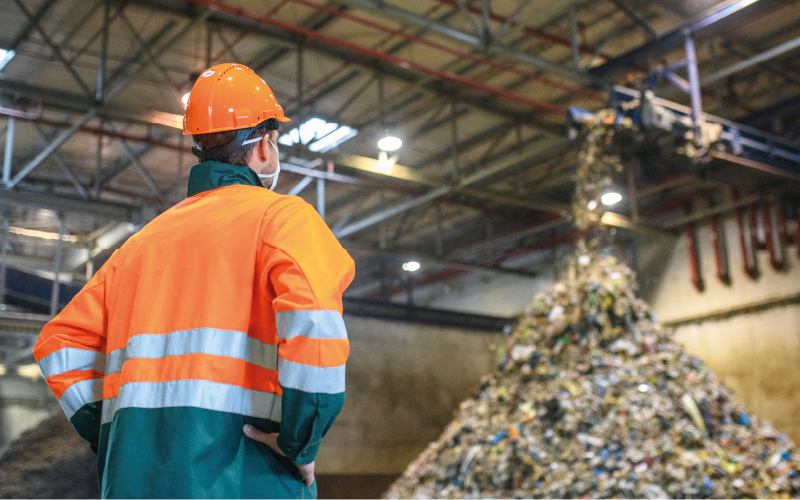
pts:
[229, 97]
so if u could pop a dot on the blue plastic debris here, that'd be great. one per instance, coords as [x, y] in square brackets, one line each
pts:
[786, 455]
[596, 471]
[793, 474]
[707, 482]
[499, 437]
[744, 419]
[538, 484]
[604, 454]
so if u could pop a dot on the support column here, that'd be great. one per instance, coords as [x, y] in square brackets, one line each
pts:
[439, 233]
[632, 192]
[101, 70]
[300, 96]
[9, 151]
[409, 293]
[574, 35]
[99, 166]
[3, 258]
[89, 266]
[209, 44]
[321, 197]
[57, 267]
[454, 144]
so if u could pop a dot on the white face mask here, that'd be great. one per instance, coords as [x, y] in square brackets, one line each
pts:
[274, 176]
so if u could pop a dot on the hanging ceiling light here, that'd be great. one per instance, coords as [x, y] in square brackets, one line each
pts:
[411, 266]
[389, 143]
[611, 198]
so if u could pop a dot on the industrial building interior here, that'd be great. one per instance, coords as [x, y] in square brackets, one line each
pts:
[439, 140]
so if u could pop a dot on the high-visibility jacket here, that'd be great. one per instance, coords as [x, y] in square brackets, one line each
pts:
[225, 310]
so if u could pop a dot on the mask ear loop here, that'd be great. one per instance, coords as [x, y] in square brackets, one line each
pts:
[250, 141]
[274, 176]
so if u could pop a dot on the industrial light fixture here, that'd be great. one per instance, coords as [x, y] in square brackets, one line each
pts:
[411, 266]
[42, 234]
[611, 198]
[5, 56]
[185, 99]
[592, 205]
[321, 135]
[390, 143]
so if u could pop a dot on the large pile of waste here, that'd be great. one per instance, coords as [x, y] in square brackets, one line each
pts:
[593, 398]
[49, 461]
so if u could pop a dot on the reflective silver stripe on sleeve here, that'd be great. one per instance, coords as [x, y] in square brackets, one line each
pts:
[69, 359]
[197, 341]
[195, 393]
[80, 393]
[311, 324]
[309, 378]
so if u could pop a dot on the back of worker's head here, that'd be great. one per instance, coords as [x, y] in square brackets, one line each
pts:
[230, 106]
[240, 155]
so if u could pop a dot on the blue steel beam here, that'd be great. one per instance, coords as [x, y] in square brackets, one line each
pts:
[717, 18]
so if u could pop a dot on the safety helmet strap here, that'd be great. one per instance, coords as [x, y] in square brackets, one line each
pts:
[222, 153]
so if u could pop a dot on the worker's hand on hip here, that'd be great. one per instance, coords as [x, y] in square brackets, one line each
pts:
[271, 440]
[307, 470]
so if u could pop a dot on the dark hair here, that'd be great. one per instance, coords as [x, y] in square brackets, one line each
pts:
[241, 155]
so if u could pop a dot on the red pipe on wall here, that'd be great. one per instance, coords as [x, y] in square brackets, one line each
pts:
[745, 242]
[783, 232]
[398, 61]
[776, 259]
[797, 232]
[694, 257]
[755, 238]
[720, 250]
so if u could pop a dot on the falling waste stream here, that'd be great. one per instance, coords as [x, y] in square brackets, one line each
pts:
[592, 397]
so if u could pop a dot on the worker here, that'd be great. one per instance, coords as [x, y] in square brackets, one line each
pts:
[206, 358]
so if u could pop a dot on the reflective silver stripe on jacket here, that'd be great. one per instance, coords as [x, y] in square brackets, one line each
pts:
[69, 359]
[309, 378]
[227, 343]
[81, 393]
[311, 324]
[195, 393]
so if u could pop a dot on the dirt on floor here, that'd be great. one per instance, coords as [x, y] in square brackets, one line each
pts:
[49, 461]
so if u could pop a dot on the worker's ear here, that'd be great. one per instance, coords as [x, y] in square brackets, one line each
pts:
[263, 147]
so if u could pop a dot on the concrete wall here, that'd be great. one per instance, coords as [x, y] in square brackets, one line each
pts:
[489, 293]
[758, 353]
[403, 384]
